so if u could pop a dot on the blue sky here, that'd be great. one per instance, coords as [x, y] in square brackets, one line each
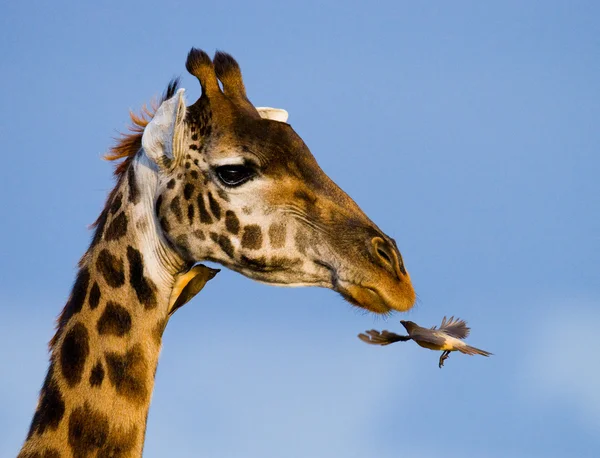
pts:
[467, 131]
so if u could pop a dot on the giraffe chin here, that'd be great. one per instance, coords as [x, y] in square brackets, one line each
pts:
[370, 299]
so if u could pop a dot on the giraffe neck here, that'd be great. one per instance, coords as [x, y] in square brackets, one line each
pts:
[96, 395]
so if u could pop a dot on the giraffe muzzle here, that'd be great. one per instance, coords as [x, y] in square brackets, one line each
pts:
[375, 279]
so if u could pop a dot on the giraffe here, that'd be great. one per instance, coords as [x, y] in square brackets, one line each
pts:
[221, 181]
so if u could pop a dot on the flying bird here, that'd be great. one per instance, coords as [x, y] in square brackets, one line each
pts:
[447, 338]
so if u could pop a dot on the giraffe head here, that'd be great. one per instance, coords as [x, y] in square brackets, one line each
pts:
[238, 186]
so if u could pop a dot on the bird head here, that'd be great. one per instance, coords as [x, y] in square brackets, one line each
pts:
[409, 325]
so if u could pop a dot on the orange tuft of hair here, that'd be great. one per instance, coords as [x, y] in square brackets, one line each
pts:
[128, 144]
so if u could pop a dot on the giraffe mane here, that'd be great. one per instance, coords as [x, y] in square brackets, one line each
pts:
[128, 144]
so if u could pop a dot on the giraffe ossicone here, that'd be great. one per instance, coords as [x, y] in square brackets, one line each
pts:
[220, 181]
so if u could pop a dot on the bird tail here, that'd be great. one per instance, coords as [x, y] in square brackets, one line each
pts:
[381, 338]
[468, 350]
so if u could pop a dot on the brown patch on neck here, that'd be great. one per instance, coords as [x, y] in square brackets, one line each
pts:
[159, 330]
[75, 303]
[128, 373]
[90, 432]
[51, 407]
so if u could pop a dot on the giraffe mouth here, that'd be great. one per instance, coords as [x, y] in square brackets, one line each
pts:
[363, 296]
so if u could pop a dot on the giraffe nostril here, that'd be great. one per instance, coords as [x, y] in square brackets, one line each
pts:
[388, 256]
[382, 254]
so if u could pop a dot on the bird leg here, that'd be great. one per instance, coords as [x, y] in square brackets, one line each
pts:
[444, 357]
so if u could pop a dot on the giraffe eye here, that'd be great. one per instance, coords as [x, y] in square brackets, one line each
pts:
[235, 174]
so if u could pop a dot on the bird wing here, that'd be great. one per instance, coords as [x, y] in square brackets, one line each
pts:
[455, 327]
[431, 336]
[374, 337]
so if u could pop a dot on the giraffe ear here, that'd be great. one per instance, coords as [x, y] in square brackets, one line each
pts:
[276, 114]
[162, 131]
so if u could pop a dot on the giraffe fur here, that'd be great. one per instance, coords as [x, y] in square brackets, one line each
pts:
[218, 180]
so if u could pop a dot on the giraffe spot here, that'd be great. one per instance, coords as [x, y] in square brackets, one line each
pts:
[301, 241]
[166, 161]
[205, 217]
[176, 209]
[95, 294]
[205, 129]
[134, 194]
[158, 331]
[128, 373]
[277, 234]
[283, 263]
[115, 320]
[258, 264]
[182, 241]
[215, 208]
[75, 302]
[171, 183]
[117, 228]
[119, 443]
[88, 431]
[164, 224]
[188, 190]
[100, 223]
[223, 195]
[225, 245]
[252, 237]
[97, 374]
[116, 204]
[143, 287]
[111, 268]
[232, 223]
[190, 213]
[79, 291]
[73, 354]
[51, 407]
[199, 234]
